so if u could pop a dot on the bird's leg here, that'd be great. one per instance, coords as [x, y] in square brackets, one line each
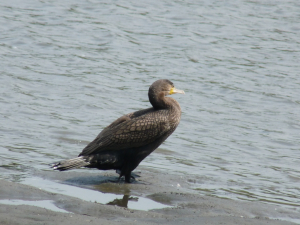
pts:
[127, 177]
[121, 175]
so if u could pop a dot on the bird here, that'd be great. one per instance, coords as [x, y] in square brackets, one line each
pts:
[127, 141]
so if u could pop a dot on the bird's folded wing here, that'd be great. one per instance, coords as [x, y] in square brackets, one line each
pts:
[129, 133]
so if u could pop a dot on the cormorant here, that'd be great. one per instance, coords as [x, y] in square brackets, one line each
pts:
[127, 141]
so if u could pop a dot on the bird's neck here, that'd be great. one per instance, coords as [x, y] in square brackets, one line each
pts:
[161, 102]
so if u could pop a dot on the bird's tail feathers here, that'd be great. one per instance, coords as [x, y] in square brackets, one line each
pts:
[70, 164]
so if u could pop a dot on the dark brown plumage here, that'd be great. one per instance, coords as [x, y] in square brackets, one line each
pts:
[127, 141]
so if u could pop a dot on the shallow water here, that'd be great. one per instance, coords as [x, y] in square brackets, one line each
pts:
[126, 200]
[69, 68]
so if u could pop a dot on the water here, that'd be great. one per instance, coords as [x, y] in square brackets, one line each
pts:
[127, 200]
[69, 68]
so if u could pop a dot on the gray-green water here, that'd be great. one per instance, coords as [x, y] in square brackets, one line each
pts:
[69, 68]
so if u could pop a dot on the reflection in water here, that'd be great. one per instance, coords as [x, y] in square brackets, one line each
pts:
[123, 202]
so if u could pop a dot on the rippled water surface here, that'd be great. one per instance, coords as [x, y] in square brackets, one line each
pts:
[69, 68]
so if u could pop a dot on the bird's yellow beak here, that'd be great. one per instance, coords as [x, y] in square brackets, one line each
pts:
[176, 91]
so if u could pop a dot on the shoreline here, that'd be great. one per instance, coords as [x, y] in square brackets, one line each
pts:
[76, 205]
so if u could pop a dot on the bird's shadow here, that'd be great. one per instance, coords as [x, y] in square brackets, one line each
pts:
[100, 179]
[91, 180]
